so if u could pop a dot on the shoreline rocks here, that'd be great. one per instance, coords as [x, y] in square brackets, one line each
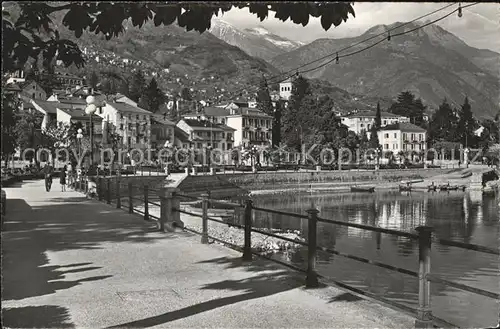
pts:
[235, 236]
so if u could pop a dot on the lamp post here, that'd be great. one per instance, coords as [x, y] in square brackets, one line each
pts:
[79, 137]
[90, 110]
[253, 152]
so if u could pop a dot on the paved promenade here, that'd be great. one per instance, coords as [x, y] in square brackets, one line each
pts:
[69, 262]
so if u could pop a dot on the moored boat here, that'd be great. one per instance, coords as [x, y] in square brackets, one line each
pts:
[405, 188]
[369, 189]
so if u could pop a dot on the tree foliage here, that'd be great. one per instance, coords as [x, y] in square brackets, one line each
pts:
[297, 113]
[409, 106]
[466, 125]
[264, 102]
[152, 98]
[33, 33]
[443, 124]
[137, 86]
[186, 94]
[9, 109]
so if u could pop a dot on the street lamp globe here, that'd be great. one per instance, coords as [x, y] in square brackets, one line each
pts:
[90, 99]
[79, 131]
[90, 109]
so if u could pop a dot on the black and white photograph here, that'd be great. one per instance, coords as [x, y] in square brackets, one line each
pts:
[223, 164]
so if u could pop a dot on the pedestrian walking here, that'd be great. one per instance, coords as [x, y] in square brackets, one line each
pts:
[62, 179]
[48, 172]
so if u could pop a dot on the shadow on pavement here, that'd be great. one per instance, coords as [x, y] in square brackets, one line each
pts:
[60, 224]
[261, 285]
[345, 297]
[36, 317]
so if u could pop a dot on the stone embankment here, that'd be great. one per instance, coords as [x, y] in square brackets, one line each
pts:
[234, 235]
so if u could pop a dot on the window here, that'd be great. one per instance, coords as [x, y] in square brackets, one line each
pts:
[394, 146]
[420, 137]
[129, 126]
[362, 125]
[199, 145]
[245, 134]
[384, 122]
[262, 122]
[121, 126]
[229, 146]
[412, 137]
[33, 95]
[386, 146]
[405, 137]
[137, 139]
[223, 121]
[223, 134]
[386, 135]
[244, 122]
[121, 115]
[395, 135]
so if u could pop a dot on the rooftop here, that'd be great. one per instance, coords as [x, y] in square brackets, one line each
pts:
[51, 107]
[79, 114]
[405, 127]
[206, 124]
[124, 107]
[372, 114]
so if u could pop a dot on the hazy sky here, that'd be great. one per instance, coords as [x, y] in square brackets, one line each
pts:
[478, 27]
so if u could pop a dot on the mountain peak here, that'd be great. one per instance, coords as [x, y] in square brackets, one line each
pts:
[259, 30]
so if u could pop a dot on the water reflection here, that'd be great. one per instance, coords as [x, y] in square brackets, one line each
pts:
[464, 217]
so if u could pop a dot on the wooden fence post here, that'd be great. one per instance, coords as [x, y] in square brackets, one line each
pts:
[312, 276]
[146, 202]
[130, 201]
[247, 249]
[204, 218]
[424, 312]
[108, 190]
[118, 194]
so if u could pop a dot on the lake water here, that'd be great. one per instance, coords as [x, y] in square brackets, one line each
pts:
[465, 217]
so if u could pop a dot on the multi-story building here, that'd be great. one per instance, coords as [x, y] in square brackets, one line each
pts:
[251, 126]
[78, 116]
[203, 134]
[402, 137]
[29, 89]
[132, 123]
[162, 132]
[358, 122]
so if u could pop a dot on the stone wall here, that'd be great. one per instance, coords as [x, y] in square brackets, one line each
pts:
[270, 179]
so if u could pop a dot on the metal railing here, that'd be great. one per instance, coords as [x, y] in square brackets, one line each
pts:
[170, 207]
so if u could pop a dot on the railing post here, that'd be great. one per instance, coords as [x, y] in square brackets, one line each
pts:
[130, 201]
[247, 248]
[312, 277]
[99, 187]
[424, 312]
[169, 216]
[146, 202]
[204, 218]
[108, 190]
[118, 194]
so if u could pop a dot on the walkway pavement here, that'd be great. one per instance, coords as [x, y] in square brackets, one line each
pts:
[69, 262]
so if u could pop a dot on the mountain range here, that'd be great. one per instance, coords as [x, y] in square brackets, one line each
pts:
[257, 42]
[431, 62]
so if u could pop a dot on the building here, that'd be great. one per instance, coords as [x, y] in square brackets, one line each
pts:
[203, 134]
[162, 132]
[78, 116]
[402, 137]
[67, 79]
[132, 123]
[251, 126]
[286, 89]
[16, 77]
[360, 121]
[29, 89]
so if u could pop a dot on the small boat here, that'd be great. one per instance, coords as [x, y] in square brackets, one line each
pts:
[405, 188]
[409, 182]
[369, 189]
[431, 188]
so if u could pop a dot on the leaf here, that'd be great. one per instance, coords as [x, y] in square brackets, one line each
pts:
[261, 9]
